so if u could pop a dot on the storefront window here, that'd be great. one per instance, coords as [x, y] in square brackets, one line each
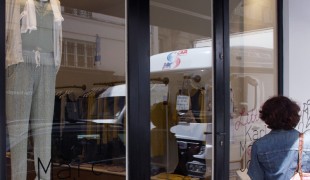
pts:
[253, 75]
[181, 119]
[65, 89]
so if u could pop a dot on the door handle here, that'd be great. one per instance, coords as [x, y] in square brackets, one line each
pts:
[221, 133]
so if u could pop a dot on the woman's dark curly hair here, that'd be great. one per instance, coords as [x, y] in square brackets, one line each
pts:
[279, 112]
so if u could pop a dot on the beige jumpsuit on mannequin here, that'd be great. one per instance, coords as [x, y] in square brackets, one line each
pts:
[32, 60]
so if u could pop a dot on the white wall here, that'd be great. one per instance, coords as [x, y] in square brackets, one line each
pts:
[297, 55]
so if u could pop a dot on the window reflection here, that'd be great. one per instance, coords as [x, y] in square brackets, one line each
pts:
[181, 114]
[253, 75]
[181, 108]
[65, 61]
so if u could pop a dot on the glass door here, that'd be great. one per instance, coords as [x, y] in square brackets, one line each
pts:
[181, 102]
[253, 75]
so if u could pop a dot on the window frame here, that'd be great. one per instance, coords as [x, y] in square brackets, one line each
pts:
[2, 93]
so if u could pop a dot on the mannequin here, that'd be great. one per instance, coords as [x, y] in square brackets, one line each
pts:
[32, 60]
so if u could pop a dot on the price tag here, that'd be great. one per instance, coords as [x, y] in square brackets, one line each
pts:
[182, 102]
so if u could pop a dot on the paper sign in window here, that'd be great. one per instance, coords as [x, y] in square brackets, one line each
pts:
[182, 102]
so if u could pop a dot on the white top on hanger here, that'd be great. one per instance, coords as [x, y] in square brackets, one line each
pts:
[28, 16]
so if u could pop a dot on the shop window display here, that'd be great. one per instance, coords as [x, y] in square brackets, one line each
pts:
[64, 119]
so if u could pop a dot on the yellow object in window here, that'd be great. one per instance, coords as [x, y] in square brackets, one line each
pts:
[170, 177]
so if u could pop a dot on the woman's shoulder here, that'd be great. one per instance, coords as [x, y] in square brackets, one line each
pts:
[276, 136]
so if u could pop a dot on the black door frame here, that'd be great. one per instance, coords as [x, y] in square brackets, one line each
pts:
[138, 88]
[138, 93]
[138, 10]
[279, 14]
[221, 73]
[2, 93]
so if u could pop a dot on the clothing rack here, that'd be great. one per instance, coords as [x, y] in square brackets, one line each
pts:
[196, 78]
[165, 80]
[83, 87]
[109, 83]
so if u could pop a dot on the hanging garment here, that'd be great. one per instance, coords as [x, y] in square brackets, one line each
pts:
[163, 142]
[198, 105]
[13, 38]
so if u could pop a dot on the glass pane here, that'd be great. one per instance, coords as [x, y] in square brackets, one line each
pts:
[66, 112]
[70, 59]
[70, 47]
[90, 53]
[80, 49]
[253, 75]
[63, 55]
[90, 63]
[81, 61]
[181, 89]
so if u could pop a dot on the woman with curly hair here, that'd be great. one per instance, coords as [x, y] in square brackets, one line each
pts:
[275, 155]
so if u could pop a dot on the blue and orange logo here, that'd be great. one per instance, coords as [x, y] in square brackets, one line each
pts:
[174, 60]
